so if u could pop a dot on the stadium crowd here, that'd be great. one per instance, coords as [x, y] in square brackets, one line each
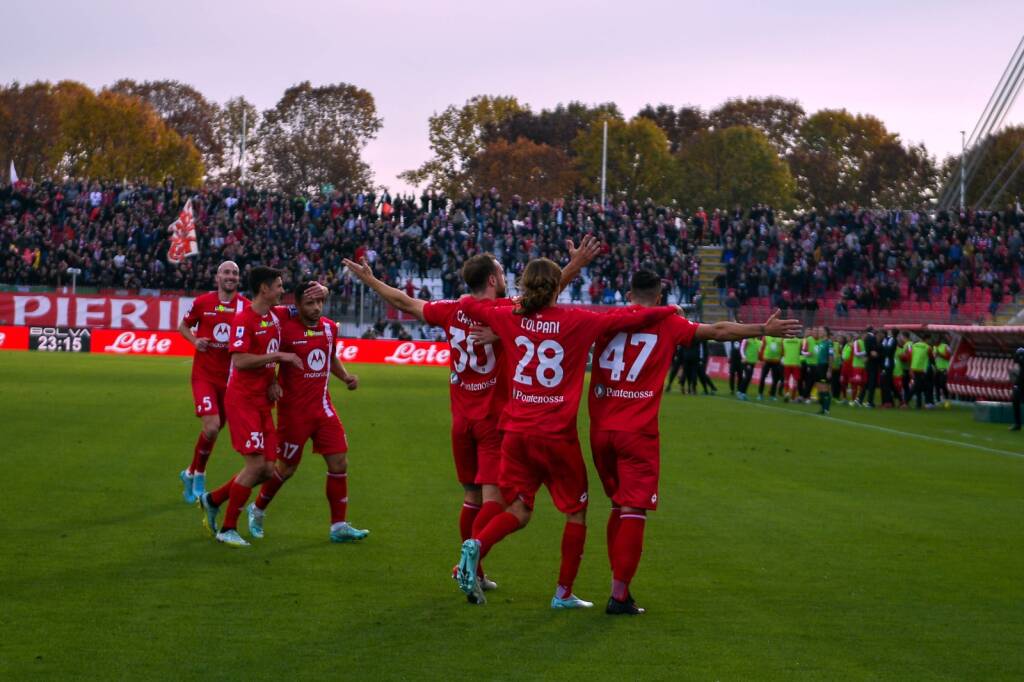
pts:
[116, 234]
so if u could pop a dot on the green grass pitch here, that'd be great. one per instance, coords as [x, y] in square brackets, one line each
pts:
[787, 546]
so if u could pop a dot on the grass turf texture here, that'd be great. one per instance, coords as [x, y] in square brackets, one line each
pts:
[786, 546]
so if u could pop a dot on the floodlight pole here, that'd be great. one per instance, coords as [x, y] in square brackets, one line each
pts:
[963, 168]
[604, 163]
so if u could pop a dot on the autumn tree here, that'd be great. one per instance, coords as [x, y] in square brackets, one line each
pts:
[456, 137]
[185, 110]
[523, 167]
[29, 128]
[735, 166]
[896, 175]
[997, 167]
[681, 125]
[556, 127]
[778, 118]
[639, 162]
[111, 135]
[833, 146]
[315, 136]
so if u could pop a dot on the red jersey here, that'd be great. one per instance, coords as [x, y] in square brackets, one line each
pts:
[259, 335]
[628, 373]
[211, 319]
[479, 383]
[306, 390]
[546, 357]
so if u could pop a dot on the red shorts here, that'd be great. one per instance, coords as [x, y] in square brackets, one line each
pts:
[858, 375]
[628, 464]
[293, 430]
[529, 461]
[790, 372]
[209, 398]
[476, 447]
[897, 384]
[252, 429]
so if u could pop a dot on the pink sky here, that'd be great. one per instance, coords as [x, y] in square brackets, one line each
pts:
[925, 69]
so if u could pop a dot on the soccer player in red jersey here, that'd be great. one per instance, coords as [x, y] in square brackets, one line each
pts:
[625, 395]
[478, 381]
[305, 411]
[546, 350]
[255, 351]
[207, 326]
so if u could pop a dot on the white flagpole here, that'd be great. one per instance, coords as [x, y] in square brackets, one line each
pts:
[604, 163]
[242, 159]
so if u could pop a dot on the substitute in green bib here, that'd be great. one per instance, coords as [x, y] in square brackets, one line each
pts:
[791, 368]
[808, 363]
[750, 351]
[771, 356]
[823, 358]
[920, 357]
[943, 354]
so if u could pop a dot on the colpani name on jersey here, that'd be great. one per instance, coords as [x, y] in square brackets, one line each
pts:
[537, 399]
[602, 391]
[539, 326]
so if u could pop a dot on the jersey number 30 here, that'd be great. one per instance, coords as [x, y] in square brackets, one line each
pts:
[467, 353]
[613, 358]
[549, 362]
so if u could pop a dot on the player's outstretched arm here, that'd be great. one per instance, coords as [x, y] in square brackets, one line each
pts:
[254, 361]
[338, 370]
[734, 331]
[579, 258]
[395, 297]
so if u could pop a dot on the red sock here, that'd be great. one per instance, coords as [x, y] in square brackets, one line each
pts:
[501, 525]
[269, 489]
[484, 516]
[218, 496]
[239, 496]
[466, 518]
[204, 446]
[610, 531]
[573, 538]
[337, 496]
[629, 544]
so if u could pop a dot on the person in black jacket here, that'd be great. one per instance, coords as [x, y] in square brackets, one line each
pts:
[874, 364]
[1017, 376]
[702, 370]
[888, 353]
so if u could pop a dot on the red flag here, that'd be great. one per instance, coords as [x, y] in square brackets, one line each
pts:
[183, 236]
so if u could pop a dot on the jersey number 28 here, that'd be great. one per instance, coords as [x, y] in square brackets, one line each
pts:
[549, 362]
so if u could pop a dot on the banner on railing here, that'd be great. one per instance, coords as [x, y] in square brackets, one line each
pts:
[112, 312]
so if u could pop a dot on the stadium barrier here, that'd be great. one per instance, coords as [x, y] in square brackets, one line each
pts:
[54, 339]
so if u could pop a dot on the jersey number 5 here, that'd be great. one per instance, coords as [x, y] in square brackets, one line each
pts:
[613, 358]
[549, 362]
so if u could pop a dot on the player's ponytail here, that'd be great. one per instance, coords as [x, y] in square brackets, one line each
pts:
[540, 282]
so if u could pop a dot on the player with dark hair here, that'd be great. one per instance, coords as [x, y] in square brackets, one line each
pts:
[207, 326]
[1017, 377]
[545, 351]
[305, 411]
[478, 384]
[255, 351]
[624, 399]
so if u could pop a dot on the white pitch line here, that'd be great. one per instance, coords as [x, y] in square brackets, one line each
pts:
[909, 434]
